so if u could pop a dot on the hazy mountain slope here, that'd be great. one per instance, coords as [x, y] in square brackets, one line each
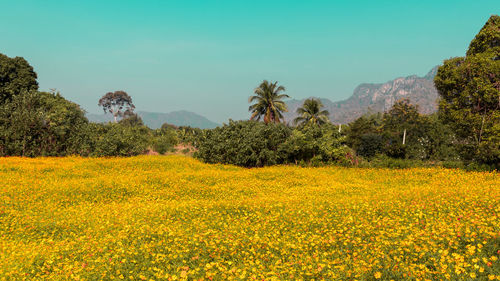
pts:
[378, 98]
[155, 120]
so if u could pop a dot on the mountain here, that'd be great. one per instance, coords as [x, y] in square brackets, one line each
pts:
[154, 120]
[378, 98]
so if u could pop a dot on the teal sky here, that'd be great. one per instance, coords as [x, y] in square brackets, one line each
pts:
[208, 56]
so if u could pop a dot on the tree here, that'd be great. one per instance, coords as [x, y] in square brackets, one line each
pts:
[404, 129]
[438, 139]
[402, 120]
[115, 102]
[41, 124]
[370, 145]
[268, 102]
[310, 113]
[364, 125]
[16, 76]
[469, 88]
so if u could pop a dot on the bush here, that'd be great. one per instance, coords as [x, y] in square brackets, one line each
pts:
[383, 161]
[370, 145]
[189, 135]
[255, 144]
[41, 124]
[475, 166]
[396, 150]
[118, 140]
[245, 143]
[453, 164]
[315, 145]
[164, 140]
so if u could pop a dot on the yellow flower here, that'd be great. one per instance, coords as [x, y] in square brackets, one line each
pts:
[175, 218]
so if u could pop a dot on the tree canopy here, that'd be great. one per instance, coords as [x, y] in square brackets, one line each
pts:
[41, 124]
[115, 102]
[16, 76]
[469, 88]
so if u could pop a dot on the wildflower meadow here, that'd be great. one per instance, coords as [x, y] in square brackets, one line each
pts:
[175, 218]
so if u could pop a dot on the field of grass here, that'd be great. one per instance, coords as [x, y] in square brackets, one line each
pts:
[171, 218]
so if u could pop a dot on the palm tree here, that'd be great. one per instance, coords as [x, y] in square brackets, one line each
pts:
[311, 113]
[268, 103]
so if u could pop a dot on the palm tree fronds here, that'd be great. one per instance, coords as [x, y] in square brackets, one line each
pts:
[268, 102]
[310, 113]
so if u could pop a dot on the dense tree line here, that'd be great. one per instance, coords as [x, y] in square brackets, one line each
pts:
[465, 131]
[45, 124]
[34, 123]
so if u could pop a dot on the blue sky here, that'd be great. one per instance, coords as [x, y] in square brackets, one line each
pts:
[208, 56]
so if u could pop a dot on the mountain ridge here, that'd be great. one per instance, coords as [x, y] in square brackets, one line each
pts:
[378, 97]
[154, 120]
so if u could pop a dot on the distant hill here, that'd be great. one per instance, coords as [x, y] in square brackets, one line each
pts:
[378, 98]
[154, 120]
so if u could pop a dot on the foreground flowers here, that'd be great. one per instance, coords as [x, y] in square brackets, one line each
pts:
[173, 218]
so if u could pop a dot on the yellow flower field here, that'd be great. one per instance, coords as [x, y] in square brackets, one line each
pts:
[171, 218]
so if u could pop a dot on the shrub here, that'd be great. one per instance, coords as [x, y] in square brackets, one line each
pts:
[118, 140]
[396, 150]
[383, 161]
[315, 145]
[244, 143]
[370, 145]
[41, 124]
[164, 140]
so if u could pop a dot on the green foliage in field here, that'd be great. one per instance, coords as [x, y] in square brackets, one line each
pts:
[164, 139]
[315, 145]
[426, 137]
[16, 76]
[256, 144]
[470, 96]
[245, 143]
[41, 124]
[45, 124]
[118, 140]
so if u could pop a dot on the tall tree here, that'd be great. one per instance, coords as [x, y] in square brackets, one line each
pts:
[470, 95]
[16, 76]
[310, 113]
[268, 102]
[115, 102]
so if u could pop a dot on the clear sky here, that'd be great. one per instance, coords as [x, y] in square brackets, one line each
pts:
[208, 56]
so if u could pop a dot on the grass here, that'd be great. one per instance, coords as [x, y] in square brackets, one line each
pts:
[174, 218]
